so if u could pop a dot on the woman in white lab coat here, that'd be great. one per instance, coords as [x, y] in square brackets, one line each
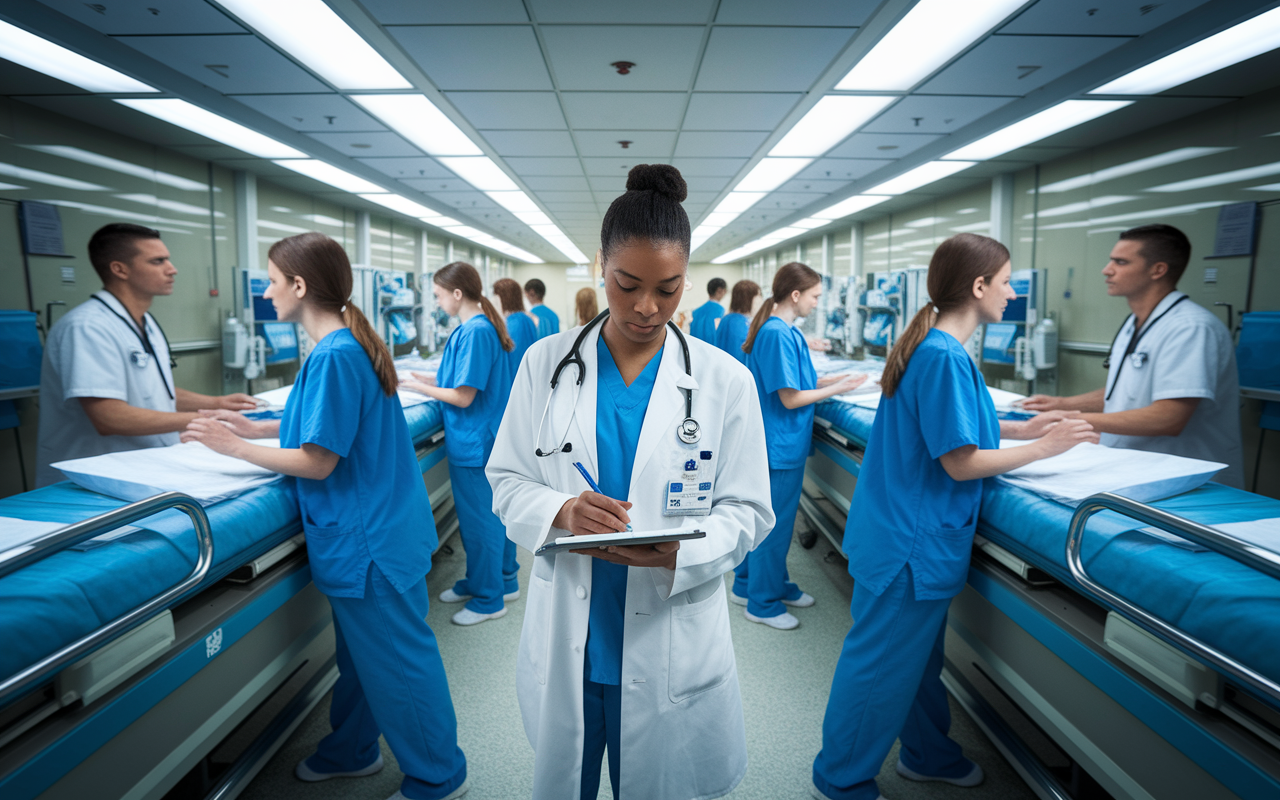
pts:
[628, 649]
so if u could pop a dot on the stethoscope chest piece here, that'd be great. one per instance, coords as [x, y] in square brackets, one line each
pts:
[690, 432]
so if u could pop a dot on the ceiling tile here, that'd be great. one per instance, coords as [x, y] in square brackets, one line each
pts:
[530, 143]
[768, 59]
[670, 12]
[154, 17]
[699, 183]
[17, 79]
[787, 201]
[843, 169]
[827, 13]
[579, 216]
[446, 12]
[1089, 17]
[438, 184]
[557, 208]
[509, 110]
[408, 167]
[526, 167]
[557, 184]
[235, 64]
[583, 196]
[813, 185]
[487, 57]
[609, 167]
[645, 111]
[664, 57]
[465, 201]
[370, 144]
[710, 144]
[934, 113]
[644, 144]
[699, 199]
[1017, 65]
[709, 167]
[608, 188]
[312, 112]
[880, 145]
[738, 111]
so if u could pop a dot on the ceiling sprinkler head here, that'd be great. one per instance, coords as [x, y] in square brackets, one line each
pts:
[625, 143]
[623, 67]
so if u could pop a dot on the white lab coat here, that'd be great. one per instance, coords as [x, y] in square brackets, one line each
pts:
[682, 732]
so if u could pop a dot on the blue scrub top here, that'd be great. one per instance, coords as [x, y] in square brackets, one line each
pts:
[548, 321]
[731, 333]
[906, 508]
[704, 321]
[620, 411]
[373, 506]
[779, 359]
[524, 332]
[473, 356]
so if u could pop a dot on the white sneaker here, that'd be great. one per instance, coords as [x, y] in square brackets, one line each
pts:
[783, 622]
[450, 596]
[305, 773]
[737, 600]
[454, 795]
[803, 601]
[974, 777]
[468, 617]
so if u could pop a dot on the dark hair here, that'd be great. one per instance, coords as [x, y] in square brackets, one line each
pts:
[793, 277]
[715, 285]
[744, 292]
[536, 288]
[649, 211]
[117, 241]
[1162, 243]
[587, 307]
[508, 291]
[463, 277]
[956, 264]
[323, 265]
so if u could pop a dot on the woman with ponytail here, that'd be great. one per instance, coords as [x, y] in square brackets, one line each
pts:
[778, 357]
[910, 529]
[474, 382]
[522, 325]
[368, 525]
[732, 330]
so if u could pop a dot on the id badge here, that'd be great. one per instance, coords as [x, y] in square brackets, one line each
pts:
[690, 491]
[140, 359]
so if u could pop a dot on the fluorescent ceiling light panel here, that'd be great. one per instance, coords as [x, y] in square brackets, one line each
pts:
[1054, 119]
[417, 119]
[123, 167]
[922, 175]
[532, 218]
[327, 173]
[480, 172]
[771, 173]
[930, 35]
[851, 205]
[311, 32]
[1220, 179]
[1248, 39]
[442, 222]
[33, 52]
[737, 202]
[515, 202]
[828, 123]
[48, 178]
[404, 205]
[811, 223]
[1132, 168]
[210, 125]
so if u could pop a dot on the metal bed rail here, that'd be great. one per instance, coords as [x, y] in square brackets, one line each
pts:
[77, 532]
[1243, 552]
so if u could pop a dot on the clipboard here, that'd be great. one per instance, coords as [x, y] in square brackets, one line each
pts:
[567, 543]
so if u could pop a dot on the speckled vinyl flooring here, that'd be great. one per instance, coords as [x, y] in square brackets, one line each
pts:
[785, 678]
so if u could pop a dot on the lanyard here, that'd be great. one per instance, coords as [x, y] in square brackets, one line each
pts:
[1133, 342]
[144, 339]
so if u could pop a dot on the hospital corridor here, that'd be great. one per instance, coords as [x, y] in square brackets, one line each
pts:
[576, 399]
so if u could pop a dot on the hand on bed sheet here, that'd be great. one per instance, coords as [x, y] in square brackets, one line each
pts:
[847, 382]
[819, 344]
[421, 379]
[244, 427]
[214, 434]
[238, 402]
[1064, 435]
[1035, 427]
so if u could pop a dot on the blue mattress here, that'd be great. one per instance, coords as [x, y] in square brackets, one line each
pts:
[72, 593]
[1211, 597]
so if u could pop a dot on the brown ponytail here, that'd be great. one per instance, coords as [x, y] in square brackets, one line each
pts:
[323, 265]
[793, 277]
[463, 277]
[956, 264]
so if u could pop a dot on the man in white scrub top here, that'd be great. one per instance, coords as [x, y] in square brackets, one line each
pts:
[1172, 385]
[106, 384]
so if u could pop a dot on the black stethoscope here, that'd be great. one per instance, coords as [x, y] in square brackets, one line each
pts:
[1140, 358]
[146, 342]
[688, 431]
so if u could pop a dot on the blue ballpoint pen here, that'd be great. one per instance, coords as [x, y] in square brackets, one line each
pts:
[586, 476]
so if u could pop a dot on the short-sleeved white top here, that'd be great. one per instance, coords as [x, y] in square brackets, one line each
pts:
[96, 350]
[1185, 353]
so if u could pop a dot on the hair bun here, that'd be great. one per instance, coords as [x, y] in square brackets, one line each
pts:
[661, 178]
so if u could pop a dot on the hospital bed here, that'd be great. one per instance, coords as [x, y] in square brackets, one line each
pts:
[174, 660]
[1101, 661]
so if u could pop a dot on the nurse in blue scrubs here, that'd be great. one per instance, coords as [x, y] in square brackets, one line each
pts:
[910, 530]
[521, 327]
[548, 321]
[778, 357]
[368, 525]
[474, 382]
[732, 330]
[703, 325]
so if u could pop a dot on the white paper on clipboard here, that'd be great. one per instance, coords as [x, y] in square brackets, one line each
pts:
[627, 538]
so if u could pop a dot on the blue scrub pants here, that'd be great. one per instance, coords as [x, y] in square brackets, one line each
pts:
[391, 681]
[888, 686]
[602, 719]
[762, 576]
[492, 569]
